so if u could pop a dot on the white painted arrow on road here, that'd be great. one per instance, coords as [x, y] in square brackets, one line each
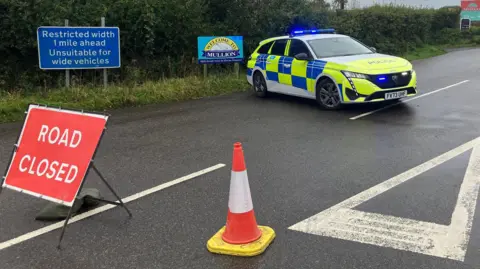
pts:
[445, 241]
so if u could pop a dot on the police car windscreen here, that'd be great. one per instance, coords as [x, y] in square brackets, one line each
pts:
[338, 46]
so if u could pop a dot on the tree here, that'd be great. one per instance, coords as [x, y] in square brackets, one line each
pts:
[319, 5]
[340, 3]
[354, 4]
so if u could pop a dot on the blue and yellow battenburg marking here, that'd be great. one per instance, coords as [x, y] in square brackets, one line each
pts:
[288, 71]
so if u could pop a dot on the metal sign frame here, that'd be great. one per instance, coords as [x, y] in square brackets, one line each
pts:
[91, 165]
[469, 23]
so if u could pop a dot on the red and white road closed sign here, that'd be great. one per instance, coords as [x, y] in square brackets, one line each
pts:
[54, 152]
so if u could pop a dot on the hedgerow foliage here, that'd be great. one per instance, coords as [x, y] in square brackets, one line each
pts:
[158, 38]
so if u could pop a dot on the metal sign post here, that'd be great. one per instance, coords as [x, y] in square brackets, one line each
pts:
[67, 71]
[236, 69]
[105, 76]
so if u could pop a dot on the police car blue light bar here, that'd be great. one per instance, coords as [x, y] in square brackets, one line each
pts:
[313, 32]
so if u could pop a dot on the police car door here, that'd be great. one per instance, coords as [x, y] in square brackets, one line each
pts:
[296, 69]
[273, 65]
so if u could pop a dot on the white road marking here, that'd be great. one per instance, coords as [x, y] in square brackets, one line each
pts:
[104, 208]
[408, 100]
[446, 241]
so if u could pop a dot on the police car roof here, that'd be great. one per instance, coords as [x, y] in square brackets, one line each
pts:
[317, 36]
[303, 37]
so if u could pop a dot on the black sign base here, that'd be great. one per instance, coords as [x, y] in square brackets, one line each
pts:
[119, 202]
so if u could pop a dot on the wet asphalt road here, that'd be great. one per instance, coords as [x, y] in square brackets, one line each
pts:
[300, 160]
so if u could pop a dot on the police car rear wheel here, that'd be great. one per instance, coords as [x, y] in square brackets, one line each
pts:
[327, 95]
[259, 85]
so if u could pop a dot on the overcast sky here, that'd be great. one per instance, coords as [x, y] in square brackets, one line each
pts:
[425, 3]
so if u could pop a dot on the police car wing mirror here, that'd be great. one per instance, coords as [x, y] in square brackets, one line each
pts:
[302, 57]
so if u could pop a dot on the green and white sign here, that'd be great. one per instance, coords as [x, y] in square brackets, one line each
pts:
[473, 15]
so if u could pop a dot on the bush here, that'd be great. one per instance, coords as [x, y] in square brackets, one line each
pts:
[394, 29]
[159, 37]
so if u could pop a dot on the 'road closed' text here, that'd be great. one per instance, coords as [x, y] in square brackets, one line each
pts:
[51, 169]
[55, 136]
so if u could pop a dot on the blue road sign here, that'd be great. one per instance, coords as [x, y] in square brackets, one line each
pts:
[220, 49]
[78, 47]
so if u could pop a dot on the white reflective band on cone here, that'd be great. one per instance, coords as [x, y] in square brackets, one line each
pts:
[240, 200]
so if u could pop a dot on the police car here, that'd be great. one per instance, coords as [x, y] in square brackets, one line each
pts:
[332, 68]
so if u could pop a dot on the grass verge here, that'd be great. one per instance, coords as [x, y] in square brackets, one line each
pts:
[432, 51]
[424, 52]
[13, 105]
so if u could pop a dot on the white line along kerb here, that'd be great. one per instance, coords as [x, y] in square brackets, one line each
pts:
[408, 100]
[104, 208]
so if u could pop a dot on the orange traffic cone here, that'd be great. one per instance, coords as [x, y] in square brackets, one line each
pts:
[241, 225]
[241, 235]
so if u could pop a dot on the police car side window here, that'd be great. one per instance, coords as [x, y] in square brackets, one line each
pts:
[279, 47]
[265, 48]
[296, 47]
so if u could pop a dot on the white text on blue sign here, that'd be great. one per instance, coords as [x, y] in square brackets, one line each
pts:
[78, 47]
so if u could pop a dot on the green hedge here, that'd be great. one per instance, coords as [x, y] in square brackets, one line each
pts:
[158, 38]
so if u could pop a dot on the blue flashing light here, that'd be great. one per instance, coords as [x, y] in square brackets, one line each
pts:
[382, 78]
[313, 32]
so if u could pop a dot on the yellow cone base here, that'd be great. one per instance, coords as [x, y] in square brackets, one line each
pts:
[217, 245]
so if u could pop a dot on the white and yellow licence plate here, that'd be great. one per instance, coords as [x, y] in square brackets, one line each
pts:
[395, 95]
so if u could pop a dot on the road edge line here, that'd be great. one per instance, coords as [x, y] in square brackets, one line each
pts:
[98, 210]
[408, 100]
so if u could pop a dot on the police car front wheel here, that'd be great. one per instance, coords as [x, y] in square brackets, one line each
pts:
[327, 94]
[259, 84]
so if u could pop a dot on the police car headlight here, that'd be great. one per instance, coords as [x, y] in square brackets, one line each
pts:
[349, 74]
